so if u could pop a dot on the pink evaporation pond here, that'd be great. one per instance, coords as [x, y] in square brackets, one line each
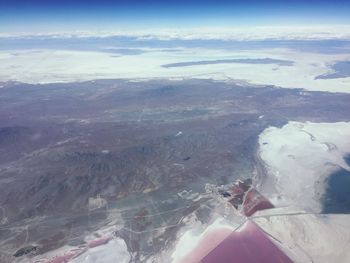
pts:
[248, 244]
[254, 201]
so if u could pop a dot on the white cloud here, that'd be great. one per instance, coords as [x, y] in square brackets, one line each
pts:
[207, 33]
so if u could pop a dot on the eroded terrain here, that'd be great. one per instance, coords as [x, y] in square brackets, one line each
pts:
[134, 157]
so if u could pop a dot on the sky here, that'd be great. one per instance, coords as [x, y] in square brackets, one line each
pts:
[46, 15]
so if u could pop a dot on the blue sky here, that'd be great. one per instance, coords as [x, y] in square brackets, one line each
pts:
[44, 15]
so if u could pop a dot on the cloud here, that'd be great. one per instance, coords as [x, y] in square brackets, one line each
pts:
[208, 33]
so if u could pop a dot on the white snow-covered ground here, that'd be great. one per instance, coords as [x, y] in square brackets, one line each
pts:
[196, 242]
[44, 66]
[114, 251]
[298, 157]
[311, 238]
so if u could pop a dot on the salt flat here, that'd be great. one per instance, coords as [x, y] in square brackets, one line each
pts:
[298, 158]
[48, 65]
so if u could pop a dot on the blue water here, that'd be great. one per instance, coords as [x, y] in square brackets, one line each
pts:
[337, 196]
[347, 159]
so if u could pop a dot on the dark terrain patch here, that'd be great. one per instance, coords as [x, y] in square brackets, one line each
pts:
[25, 250]
[278, 62]
[340, 69]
